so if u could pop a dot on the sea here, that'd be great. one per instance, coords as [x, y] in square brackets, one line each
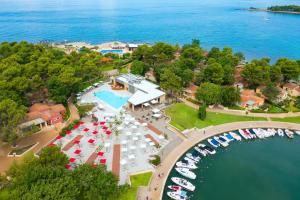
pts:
[217, 23]
[265, 169]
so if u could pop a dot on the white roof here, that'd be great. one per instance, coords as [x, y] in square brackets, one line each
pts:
[132, 45]
[140, 97]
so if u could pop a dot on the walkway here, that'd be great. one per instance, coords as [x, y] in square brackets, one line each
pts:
[43, 138]
[242, 112]
[156, 186]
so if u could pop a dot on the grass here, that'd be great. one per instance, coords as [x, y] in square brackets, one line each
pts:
[184, 117]
[136, 181]
[4, 194]
[19, 151]
[124, 70]
[288, 119]
[107, 68]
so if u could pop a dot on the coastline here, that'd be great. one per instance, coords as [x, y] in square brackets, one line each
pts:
[270, 11]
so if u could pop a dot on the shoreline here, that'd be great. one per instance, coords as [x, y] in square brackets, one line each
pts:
[270, 11]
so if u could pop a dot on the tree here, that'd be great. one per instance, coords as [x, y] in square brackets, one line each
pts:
[138, 67]
[187, 77]
[256, 74]
[193, 53]
[202, 112]
[214, 73]
[228, 78]
[209, 93]
[271, 92]
[289, 69]
[275, 74]
[170, 82]
[229, 95]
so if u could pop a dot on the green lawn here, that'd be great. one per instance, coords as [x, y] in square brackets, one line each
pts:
[185, 117]
[288, 119]
[4, 194]
[136, 181]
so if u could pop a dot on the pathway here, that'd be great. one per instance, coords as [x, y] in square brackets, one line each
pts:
[156, 186]
[242, 112]
[43, 138]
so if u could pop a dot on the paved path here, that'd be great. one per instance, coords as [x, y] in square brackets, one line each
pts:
[43, 138]
[156, 186]
[242, 112]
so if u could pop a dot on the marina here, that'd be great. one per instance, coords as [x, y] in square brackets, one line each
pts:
[192, 165]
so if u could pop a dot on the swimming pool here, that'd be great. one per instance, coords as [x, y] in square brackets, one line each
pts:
[117, 51]
[111, 98]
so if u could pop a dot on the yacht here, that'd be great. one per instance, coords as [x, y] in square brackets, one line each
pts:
[221, 140]
[213, 142]
[248, 134]
[280, 132]
[174, 187]
[206, 148]
[186, 172]
[258, 133]
[186, 164]
[177, 195]
[252, 134]
[235, 136]
[203, 153]
[193, 156]
[243, 134]
[183, 183]
[228, 137]
[289, 133]
[190, 160]
[297, 132]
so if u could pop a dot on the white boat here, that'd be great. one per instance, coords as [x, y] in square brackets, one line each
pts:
[259, 133]
[186, 172]
[228, 137]
[222, 141]
[207, 149]
[297, 132]
[213, 142]
[183, 183]
[189, 160]
[202, 152]
[174, 187]
[243, 134]
[193, 156]
[252, 135]
[280, 132]
[176, 196]
[289, 133]
[186, 165]
[235, 136]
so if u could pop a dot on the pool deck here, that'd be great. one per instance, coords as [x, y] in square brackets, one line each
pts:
[159, 178]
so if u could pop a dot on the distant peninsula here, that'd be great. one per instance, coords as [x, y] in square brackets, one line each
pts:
[289, 9]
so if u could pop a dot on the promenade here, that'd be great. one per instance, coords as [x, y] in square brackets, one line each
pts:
[156, 185]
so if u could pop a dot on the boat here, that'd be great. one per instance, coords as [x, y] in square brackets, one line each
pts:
[190, 160]
[280, 132]
[186, 172]
[253, 135]
[228, 137]
[203, 153]
[183, 183]
[243, 134]
[174, 187]
[186, 164]
[248, 134]
[235, 136]
[213, 142]
[206, 148]
[258, 133]
[289, 133]
[177, 195]
[297, 132]
[221, 140]
[193, 156]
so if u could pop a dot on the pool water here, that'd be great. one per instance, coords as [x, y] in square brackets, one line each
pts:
[117, 51]
[111, 98]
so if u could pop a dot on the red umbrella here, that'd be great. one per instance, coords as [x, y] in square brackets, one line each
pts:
[100, 153]
[51, 145]
[95, 124]
[91, 141]
[76, 141]
[68, 132]
[77, 151]
[81, 122]
[108, 132]
[102, 123]
[58, 137]
[104, 128]
[72, 160]
[86, 129]
[103, 161]
[68, 166]
[95, 132]
[76, 126]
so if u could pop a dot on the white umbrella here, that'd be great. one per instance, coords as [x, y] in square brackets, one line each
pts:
[155, 110]
[157, 115]
[152, 144]
[132, 148]
[137, 123]
[146, 104]
[123, 162]
[124, 142]
[135, 138]
[119, 128]
[124, 149]
[154, 101]
[131, 157]
[134, 127]
[161, 137]
[128, 133]
[148, 140]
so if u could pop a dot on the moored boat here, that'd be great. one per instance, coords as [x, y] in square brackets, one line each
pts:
[186, 165]
[280, 132]
[289, 133]
[203, 153]
[297, 132]
[176, 196]
[186, 172]
[189, 160]
[243, 134]
[193, 156]
[221, 140]
[213, 142]
[174, 187]
[183, 183]
[206, 148]
[228, 137]
[235, 136]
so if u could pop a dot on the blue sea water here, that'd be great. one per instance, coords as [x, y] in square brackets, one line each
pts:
[215, 22]
[111, 98]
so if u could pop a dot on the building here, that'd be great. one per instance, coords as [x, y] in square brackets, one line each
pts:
[191, 91]
[142, 91]
[44, 115]
[132, 47]
[249, 99]
[292, 89]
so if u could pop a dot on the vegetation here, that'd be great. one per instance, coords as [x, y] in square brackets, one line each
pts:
[47, 178]
[69, 127]
[84, 109]
[21, 150]
[136, 181]
[155, 161]
[288, 8]
[202, 112]
[184, 117]
[288, 119]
